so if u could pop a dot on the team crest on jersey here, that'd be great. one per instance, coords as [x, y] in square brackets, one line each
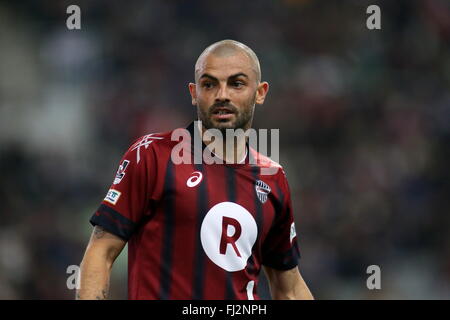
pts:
[121, 171]
[262, 190]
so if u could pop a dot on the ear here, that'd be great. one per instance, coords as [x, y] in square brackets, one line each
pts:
[261, 92]
[193, 91]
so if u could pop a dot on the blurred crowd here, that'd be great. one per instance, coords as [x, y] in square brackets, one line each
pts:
[363, 118]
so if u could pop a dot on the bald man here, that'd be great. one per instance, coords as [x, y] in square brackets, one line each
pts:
[198, 230]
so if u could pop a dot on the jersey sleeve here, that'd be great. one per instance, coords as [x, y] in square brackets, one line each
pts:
[280, 249]
[126, 202]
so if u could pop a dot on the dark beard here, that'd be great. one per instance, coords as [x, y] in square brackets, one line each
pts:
[243, 117]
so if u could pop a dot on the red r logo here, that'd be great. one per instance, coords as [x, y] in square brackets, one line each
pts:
[228, 223]
[226, 239]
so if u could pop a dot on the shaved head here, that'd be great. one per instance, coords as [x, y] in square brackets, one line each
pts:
[226, 48]
[227, 86]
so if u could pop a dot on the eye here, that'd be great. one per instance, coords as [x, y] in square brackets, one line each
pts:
[238, 84]
[207, 85]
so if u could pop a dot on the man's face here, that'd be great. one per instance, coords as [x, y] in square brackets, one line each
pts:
[226, 91]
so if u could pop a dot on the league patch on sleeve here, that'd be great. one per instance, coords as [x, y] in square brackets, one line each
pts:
[121, 171]
[112, 196]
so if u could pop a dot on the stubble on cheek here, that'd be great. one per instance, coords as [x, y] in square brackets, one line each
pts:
[242, 116]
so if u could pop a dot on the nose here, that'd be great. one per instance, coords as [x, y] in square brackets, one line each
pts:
[222, 93]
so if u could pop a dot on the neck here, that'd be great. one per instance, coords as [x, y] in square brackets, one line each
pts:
[234, 154]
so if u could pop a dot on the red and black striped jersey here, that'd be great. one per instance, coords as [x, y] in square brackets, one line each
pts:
[198, 231]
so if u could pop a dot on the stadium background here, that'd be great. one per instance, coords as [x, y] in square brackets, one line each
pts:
[364, 119]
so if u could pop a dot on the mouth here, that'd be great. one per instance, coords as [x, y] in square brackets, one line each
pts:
[222, 113]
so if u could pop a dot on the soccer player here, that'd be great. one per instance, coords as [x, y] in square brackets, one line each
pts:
[198, 230]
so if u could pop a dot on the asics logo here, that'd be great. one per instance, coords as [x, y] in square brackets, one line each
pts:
[195, 179]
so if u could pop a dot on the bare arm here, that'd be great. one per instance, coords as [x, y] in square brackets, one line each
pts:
[287, 284]
[101, 252]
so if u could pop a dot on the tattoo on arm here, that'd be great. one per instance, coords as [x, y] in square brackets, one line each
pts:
[99, 232]
[103, 296]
